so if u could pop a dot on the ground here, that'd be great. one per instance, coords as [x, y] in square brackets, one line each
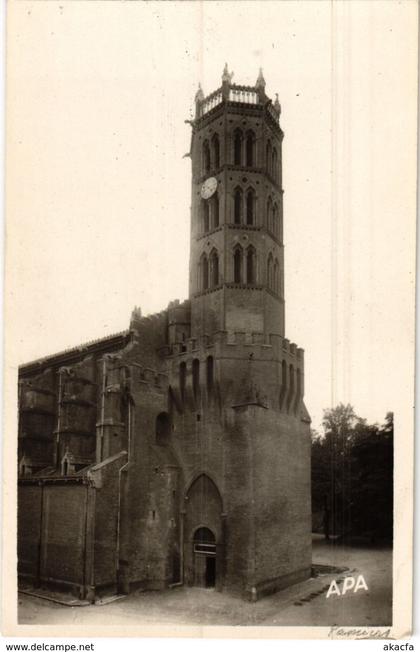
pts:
[302, 604]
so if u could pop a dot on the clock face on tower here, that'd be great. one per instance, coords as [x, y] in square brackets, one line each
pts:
[209, 187]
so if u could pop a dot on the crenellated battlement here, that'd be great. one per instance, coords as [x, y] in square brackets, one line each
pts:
[138, 322]
[242, 344]
[247, 368]
[277, 365]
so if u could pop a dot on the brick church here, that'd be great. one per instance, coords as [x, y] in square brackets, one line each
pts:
[177, 452]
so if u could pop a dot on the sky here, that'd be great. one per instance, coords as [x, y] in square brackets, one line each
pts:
[98, 200]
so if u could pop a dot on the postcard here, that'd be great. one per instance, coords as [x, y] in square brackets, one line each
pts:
[210, 282]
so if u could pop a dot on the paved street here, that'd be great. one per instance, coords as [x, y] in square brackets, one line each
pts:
[303, 604]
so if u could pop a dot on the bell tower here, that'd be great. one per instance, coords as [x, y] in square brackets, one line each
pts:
[236, 258]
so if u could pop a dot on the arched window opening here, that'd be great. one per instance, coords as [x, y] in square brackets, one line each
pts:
[237, 265]
[250, 141]
[283, 373]
[268, 157]
[250, 205]
[196, 376]
[182, 379]
[274, 164]
[215, 210]
[205, 210]
[199, 275]
[206, 157]
[283, 390]
[270, 215]
[250, 266]
[276, 276]
[210, 373]
[163, 429]
[237, 147]
[292, 379]
[238, 206]
[275, 228]
[205, 544]
[214, 269]
[204, 269]
[204, 535]
[216, 151]
[270, 272]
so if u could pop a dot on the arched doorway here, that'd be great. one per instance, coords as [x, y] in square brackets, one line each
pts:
[203, 534]
[204, 551]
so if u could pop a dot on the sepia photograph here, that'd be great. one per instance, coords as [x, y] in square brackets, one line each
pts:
[210, 283]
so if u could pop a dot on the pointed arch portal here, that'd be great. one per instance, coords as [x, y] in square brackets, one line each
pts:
[203, 533]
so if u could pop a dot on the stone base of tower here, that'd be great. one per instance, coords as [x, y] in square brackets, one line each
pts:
[268, 542]
[254, 593]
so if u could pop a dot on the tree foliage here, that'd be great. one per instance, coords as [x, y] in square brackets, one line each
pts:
[352, 475]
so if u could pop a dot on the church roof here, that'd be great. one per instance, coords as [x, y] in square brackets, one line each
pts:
[116, 340]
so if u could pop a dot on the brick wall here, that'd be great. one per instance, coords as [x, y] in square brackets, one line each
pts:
[29, 530]
[63, 534]
[106, 478]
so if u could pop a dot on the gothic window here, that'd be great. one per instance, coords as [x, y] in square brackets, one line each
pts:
[204, 272]
[215, 210]
[206, 157]
[214, 269]
[216, 151]
[268, 157]
[250, 266]
[250, 149]
[276, 276]
[199, 275]
[275, 226]
[270, 215]
[274, 164]
[292, 379]
[250, 206]
[163, 429]
[182, 379]
[196, 376]
[270, 272]
[237, 147]
[206, 215]
[237, 265]
[210, 373]
[284, 374]
[238, 206]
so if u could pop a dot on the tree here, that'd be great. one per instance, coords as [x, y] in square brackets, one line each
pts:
[352, 473]
[339, 423]
[373, 464]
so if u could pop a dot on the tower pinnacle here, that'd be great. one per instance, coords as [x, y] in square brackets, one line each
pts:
[199, 96]
[260, 83]
[226, 76]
